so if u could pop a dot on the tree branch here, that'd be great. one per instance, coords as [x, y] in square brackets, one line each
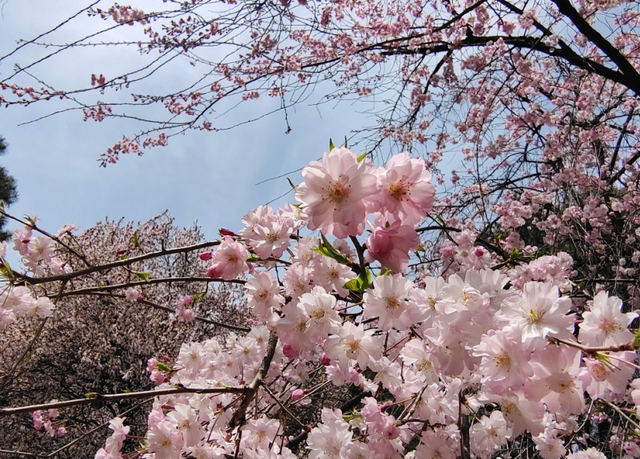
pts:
[97, 398]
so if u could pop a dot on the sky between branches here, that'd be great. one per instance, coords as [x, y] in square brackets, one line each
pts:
[209, 177]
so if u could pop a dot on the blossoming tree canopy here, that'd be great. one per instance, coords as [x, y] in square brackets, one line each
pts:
[353, 354]
[497, 319]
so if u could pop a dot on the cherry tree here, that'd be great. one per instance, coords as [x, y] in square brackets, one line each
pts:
[106, 327]
[353, 354]
[491, 316]
[524, 111]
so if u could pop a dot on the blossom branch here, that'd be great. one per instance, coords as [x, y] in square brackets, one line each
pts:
[164, 280]
[115, 264]
[630, 346]
[94, 397]
[239, 416]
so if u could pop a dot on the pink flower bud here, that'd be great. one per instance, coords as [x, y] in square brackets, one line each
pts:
[298, 394]
[478, 252]
[152, 363]
[206, 256]
[325, 360]
[226, 232]
[187, 315]
[37, 420]
[121, 251]
[289, 351]
[62, 431]
[157, 377]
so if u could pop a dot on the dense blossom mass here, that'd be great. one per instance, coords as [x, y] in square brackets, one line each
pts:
[443, 367]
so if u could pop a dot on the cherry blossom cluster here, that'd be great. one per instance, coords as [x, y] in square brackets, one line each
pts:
[486, 355]
[47, 421]
[39, 257]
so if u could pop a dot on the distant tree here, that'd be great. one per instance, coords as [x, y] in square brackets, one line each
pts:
[100, 341]
[8, 192]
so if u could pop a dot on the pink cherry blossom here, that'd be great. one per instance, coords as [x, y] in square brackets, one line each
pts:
[335, 193]
[605, 324]
[405, 189]
[229, 260]
[392, 246]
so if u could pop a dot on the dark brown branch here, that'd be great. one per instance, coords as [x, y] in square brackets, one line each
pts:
[524, 42]
[124, 262]
[239, 417]
[163, 280]
[631, 74]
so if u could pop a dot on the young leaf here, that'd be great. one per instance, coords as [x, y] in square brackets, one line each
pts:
[6, 272]
[142, 275]
[352, 285]
[329, 251]
[163, 367]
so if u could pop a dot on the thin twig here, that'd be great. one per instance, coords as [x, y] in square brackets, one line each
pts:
[94, 397]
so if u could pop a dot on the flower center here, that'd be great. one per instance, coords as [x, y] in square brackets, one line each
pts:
[398, 190]
[392, 303]
[535, 317]
[423, 365]
[503, 361]
[610, 326]
[338, 192]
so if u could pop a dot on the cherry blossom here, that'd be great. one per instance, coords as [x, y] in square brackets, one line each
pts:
[335, 193]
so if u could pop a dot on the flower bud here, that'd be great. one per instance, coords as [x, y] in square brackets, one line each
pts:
[289, 351]
[206, 256]
[226, 232]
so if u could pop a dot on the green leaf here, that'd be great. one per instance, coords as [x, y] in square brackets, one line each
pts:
[291, 183]
[365, 279]
[142, 275]
[362, 156]
[352, 285]
[134, 240]
[5, 271]
[91, 395]
[636, 340]
[361, 283]
[198, 296]
[325, 248]
[163, 367]
[384, 271]
[253, 259]
[331, 145]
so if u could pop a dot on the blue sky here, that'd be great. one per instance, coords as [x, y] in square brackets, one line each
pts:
[208, 177]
